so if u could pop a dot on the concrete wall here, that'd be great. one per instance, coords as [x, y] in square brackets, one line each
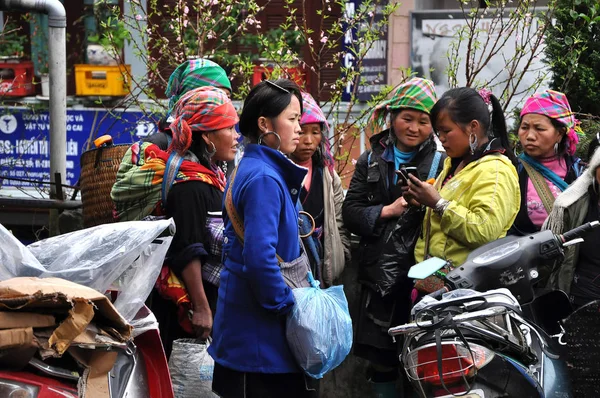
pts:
[399, 42]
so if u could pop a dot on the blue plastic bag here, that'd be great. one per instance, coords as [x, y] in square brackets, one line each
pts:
[319, 328]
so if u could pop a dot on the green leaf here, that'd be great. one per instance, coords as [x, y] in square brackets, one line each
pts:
[568, 40]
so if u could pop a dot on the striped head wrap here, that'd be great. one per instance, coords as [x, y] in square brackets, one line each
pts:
[417, 93]
[312, 113]
[192, 74]
[201, 109]
[555, 105]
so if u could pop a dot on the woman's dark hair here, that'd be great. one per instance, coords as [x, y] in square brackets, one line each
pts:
[464, 105]
[562, 129]
[266, 99]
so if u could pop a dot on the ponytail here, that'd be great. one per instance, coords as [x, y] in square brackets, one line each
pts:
[465, 104]
[498, 128]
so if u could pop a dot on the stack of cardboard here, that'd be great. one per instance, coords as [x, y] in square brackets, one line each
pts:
[53, 316]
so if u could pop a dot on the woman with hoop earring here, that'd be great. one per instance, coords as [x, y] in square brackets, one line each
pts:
[549, 134]
[203, 133]
[261, 239]
[322, 197]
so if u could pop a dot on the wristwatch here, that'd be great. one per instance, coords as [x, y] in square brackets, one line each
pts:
[441, 206]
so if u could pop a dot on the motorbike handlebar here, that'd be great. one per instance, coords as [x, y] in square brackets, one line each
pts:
[579, 231]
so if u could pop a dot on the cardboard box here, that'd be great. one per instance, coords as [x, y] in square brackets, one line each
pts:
[13, 320]
[88, 320]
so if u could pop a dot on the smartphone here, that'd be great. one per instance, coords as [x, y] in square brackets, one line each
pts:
[404, 171]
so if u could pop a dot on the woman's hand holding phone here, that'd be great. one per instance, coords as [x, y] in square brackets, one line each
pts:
[422, 192]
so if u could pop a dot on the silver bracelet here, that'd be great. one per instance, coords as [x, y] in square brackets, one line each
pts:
[441, 206]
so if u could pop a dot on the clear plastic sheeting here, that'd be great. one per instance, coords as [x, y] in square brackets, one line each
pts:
[191, 369]
[125, 256]
[15, 258]
[319, 329]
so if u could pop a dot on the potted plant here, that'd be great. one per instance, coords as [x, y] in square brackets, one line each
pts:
[16, 74]
[12, 41]
[105, 74]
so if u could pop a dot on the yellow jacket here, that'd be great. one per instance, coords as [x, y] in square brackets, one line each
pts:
[484, 201]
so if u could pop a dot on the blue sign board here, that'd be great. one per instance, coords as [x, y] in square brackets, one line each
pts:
[25, 145]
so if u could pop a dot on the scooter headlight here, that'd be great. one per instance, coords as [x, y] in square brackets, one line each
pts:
[16, 389]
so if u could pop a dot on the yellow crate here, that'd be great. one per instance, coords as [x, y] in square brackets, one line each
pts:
[102, 80]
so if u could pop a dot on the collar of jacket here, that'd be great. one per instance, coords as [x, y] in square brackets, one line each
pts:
[383, 143]
[290, 172]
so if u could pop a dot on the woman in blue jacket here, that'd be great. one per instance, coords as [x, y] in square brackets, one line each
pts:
[251, 353]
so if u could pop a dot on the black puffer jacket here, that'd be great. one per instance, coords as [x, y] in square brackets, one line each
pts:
[372, 188]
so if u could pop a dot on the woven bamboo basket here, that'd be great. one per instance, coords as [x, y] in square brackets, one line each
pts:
[98, 174]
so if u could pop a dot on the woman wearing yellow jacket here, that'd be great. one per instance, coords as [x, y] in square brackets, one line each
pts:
[476, 197]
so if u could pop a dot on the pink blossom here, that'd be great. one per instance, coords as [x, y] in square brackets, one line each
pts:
[185, 23]
[186, 10]
[354, 161]
[324, 39]
[138, 17]
[310, 41]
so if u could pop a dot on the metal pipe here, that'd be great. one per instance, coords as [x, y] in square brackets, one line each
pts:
[33, 203]
[57, 67]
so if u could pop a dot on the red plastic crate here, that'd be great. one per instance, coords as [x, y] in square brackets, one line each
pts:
[16, 79]
[295, 73]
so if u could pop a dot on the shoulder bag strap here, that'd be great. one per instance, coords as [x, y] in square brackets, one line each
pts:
[171, 170]
[234, 217]
[540, 185]
[435, 164]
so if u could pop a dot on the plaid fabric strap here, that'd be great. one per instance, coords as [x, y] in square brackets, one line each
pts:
[236, 220]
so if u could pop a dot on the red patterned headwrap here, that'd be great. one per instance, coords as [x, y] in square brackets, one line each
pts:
[201, 109]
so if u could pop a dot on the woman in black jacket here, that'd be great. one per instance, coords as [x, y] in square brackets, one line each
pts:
[375, 210]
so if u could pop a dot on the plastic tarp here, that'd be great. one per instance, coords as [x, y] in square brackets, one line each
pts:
[125, 256]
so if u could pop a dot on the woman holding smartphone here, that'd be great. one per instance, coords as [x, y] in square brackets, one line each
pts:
[374, 207]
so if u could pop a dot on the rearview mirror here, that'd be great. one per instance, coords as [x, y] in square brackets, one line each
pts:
[426, 268]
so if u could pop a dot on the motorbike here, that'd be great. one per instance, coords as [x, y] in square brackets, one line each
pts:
[490, 332]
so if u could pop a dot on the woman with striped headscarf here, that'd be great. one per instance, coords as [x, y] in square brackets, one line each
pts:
[183, 182]
[376, 210]
[548, 133]
[187, 76]
[321, 196]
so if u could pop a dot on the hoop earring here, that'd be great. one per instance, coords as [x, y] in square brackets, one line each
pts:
[210, 154]
[260, 139]
[556, 148]
[473, 141]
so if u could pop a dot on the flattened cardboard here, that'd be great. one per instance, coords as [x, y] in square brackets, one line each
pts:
[12, 320]
[90, 319]
[28, 294]
[94, 382]
[79, 318]
[11, 338]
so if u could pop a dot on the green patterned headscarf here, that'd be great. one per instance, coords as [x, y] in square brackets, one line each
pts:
[192, 74]
[417, 93]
